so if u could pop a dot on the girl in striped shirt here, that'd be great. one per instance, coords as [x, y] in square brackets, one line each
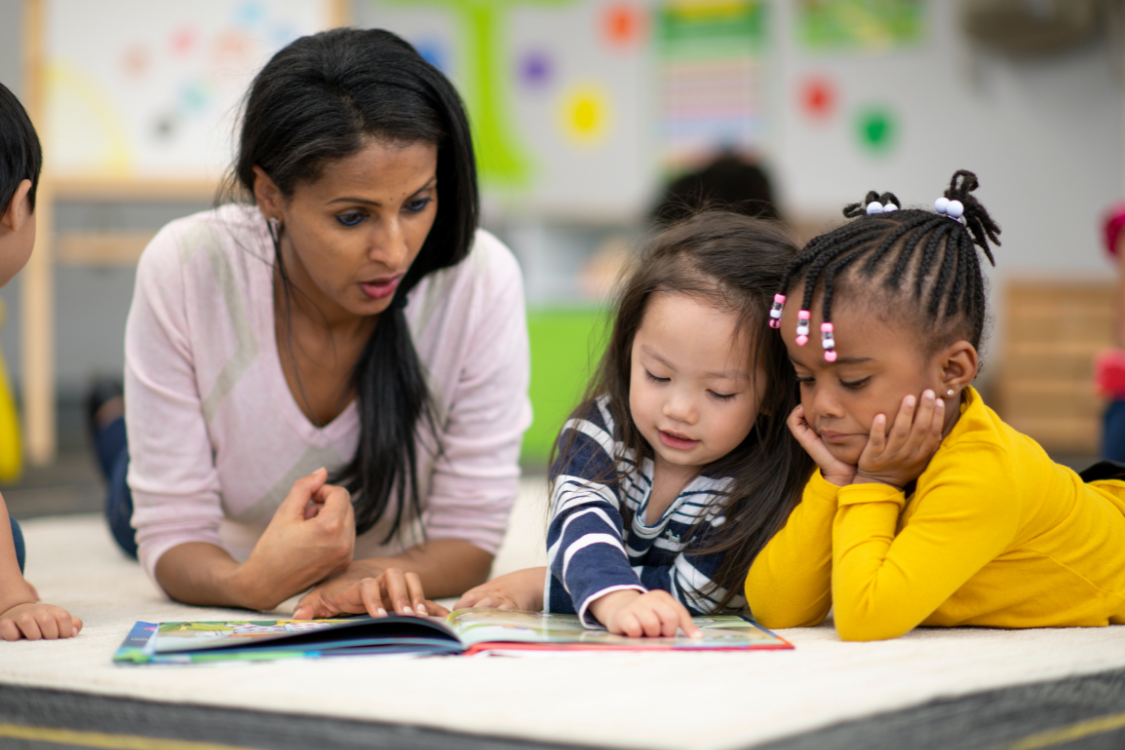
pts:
[677, 467]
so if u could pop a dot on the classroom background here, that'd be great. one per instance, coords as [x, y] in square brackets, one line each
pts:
[583, 110]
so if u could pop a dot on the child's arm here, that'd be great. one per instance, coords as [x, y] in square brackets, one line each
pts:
[521, 590]
[21, 615]
[789, 583]
[886, 581]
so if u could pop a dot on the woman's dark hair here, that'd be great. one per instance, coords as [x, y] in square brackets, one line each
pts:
[735, 263]
[322, 99]
[21, 157]
[916, 263]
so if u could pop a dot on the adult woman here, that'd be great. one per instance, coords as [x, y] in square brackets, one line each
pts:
[348, 320]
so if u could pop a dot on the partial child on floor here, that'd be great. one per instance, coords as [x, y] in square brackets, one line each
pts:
[677, 467]
[22, 615]
[927, 508]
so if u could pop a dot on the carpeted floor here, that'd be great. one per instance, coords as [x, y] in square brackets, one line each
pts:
[974, 688]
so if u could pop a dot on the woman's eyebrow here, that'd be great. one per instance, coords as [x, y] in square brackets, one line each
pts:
[351, 199]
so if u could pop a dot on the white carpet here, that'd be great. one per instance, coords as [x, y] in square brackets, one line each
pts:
[718, 700]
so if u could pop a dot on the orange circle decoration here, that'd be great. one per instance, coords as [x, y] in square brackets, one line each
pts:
[818, 98]
[622, 24]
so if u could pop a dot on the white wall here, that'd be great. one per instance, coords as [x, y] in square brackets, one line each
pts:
[1046, 137]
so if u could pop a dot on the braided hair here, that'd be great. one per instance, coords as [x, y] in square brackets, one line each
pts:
[924, 262]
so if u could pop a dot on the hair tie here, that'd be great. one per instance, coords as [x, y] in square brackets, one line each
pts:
[775, 311]
[954, 209]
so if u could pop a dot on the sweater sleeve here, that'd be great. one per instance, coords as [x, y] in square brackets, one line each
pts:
[476, 474]
[887, 580]
[172, 475]
[585, 551]
[789, 583]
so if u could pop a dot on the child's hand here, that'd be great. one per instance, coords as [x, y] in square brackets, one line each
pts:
[521, 590]
[35, 621]
[831, 468]
[900, 455]
[652, 613]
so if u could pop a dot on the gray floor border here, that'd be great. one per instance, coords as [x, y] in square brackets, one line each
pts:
[1000, 718]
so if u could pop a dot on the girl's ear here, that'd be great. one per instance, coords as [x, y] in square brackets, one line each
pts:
[267, 195]
[18, 209]
[959, 363]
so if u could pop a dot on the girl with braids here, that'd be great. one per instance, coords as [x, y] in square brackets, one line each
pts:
[677, 467]
[326, 384]
[927, 509]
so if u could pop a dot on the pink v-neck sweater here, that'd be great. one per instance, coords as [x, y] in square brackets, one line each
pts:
[216, 439]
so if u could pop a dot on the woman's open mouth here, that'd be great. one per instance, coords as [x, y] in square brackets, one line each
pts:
[380, 288]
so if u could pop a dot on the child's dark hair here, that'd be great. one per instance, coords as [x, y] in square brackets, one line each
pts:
[21, 157]
[735, 263]
[322, 99]
[919, 263]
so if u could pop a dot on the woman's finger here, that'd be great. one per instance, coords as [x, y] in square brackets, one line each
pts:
[417, 596]
[303, 489]
[370, 593]
[397, 594]
[435, 609]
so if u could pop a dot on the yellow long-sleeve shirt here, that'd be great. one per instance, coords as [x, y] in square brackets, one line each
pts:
[994, 534]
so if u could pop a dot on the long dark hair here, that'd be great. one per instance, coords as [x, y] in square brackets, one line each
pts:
[735, 262]
[320, 100]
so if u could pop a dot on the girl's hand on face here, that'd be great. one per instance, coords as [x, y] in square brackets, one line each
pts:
[390, 591]
[899, 456]
[652, 613]
[833, 469]
[521, 590]
[35, 621]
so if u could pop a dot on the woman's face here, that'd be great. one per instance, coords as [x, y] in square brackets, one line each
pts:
[351, 236]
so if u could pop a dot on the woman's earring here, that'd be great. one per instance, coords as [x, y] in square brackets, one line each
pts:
[949, 393]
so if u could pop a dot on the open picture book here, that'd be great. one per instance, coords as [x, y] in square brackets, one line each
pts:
[465, 631]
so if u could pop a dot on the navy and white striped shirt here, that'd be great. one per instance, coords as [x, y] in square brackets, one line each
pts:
[590, 553]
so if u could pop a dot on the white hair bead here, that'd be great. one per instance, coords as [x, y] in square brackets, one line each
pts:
[874, 207]
[941, 205]
[889, 207]
[956, 209]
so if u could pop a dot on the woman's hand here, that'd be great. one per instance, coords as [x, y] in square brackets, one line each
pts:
[652, 613]
[521, 590]
[899, 456]
[35, 621]
[310, 538]
[348, 594]
[831, 468]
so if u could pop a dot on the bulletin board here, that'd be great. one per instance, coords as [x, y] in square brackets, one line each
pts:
[579, 107]
[135, 91]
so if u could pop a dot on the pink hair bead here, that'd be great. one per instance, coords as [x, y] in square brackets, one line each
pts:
[827, 342]
[775, 311]
[803, 327]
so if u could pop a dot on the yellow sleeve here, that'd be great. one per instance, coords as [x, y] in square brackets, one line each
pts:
[883, 584]
[788, 585]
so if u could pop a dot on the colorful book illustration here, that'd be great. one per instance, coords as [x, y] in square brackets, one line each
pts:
[465, 631]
